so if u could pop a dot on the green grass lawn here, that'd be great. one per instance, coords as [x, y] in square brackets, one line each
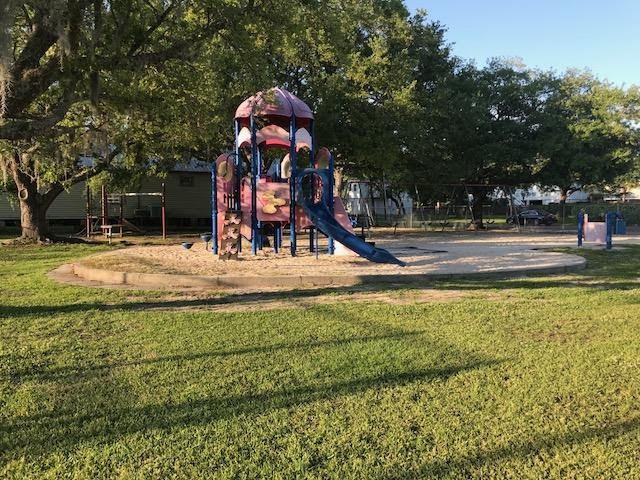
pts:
[524, 378]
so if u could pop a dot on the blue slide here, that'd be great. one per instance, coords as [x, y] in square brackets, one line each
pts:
[325, 222]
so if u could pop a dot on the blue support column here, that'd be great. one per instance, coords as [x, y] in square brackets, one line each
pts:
[312, 239]
[580, 227]
[275, 240]
[277, 234]
[313, 234]
[610, 219]
[330, 200]
[259, 236]
[317, 248]
[238, 165]
[254, 186]
[239, 174]
[292, 181]
[312, 149]
[214, 209]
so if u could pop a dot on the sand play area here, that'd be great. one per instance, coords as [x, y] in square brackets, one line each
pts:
[429, 256]
[421, 256]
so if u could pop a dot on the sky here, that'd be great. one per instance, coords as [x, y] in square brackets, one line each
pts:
[603, 36]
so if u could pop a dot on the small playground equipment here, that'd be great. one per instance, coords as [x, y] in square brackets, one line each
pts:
[206, 238]
[103, 223]
[600, 232]
[255, 194]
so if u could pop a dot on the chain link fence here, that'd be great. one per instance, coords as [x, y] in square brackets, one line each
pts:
[458, 217]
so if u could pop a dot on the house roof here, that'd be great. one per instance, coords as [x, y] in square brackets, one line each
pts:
[192, 166]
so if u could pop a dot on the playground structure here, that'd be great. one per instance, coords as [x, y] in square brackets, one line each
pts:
[95, 224]
[255, 193]
[600, 232]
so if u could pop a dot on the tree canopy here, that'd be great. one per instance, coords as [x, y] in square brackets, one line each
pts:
[589, 137]
[138, 85]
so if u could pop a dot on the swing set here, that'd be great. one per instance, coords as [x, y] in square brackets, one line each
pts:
[107, 225]
[448, 213]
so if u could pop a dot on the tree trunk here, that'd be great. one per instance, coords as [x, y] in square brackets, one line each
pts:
[476, 208]
[564, 193]
[477, 220]
[33, 204]
[399, 205]
[33, 220]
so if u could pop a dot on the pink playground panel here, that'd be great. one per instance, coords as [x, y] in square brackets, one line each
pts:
[594, 232]
[224, 180]
[341, 214]
[270, 196]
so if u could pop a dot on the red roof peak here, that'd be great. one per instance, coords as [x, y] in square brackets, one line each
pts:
[274, 102]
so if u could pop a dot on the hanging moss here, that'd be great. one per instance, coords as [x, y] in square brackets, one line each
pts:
[7, 16]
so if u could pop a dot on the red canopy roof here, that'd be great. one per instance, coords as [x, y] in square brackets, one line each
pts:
[280, 103]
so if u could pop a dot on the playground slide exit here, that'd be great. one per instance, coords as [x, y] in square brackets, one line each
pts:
[325, 222]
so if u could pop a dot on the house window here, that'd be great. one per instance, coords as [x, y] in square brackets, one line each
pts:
[186, 180]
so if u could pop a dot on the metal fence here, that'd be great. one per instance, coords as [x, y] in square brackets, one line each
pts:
[430, 217]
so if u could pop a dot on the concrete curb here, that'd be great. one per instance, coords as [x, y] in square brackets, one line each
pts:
[177, 281]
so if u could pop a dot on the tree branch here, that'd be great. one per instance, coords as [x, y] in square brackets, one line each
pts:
[159, 21]
[37, 45]
[175, 52]
[25, 129]
[33, 83]
[96, 169]
[50, 195]
[29, 78]
[84, 174]
[27, 16]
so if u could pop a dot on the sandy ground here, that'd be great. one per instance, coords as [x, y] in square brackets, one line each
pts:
[456, 253]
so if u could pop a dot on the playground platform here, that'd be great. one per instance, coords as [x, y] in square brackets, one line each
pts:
[428, 257]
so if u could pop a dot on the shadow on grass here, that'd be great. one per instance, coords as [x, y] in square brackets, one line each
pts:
[79, 372]
[231, 299]
[464, 466]
[68, 427]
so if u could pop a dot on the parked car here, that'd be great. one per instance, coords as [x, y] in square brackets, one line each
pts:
[533, 217]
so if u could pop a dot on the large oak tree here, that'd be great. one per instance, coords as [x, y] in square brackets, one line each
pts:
[589, 135]
[69, 70]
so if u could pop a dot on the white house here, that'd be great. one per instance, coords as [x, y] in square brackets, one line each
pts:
[362, 198]
[188, 200]
[537, 196]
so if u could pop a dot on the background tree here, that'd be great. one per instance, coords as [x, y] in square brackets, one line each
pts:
[488, 132]
[589, 136]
